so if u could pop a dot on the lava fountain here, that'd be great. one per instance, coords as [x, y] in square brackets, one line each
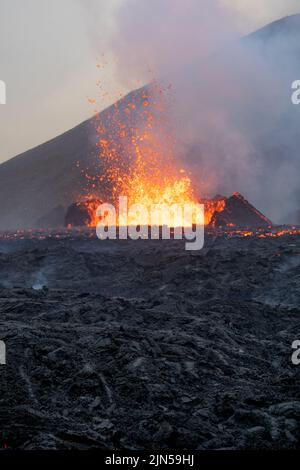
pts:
[140, 162]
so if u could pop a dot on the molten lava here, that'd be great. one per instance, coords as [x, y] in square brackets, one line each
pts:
[138, 160]
[140, 163]
[211, 206]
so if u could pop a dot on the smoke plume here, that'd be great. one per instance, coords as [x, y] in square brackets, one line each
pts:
[231, 109]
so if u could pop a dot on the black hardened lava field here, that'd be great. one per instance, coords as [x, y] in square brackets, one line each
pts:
[141, 344]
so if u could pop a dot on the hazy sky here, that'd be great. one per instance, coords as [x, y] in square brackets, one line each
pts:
[49, 50]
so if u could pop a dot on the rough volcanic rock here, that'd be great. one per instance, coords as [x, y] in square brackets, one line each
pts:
[82, 213]
[239, 212]
[138, 345]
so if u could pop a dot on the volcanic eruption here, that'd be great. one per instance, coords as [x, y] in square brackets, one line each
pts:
[139, 163]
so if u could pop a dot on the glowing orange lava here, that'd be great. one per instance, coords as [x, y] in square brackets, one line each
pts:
[140, 162]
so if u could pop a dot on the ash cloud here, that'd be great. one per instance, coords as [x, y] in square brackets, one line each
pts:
[231, 106]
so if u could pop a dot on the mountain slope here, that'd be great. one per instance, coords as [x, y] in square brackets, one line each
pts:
[49, 177]
[52, 175]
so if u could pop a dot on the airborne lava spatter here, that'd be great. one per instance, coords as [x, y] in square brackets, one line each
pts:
[137, 158]
[139, 163]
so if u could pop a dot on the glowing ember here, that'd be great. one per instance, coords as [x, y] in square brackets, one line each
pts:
[138, 160]
[211, 207]
[140, 163]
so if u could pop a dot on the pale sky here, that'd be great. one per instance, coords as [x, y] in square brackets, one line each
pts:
[49, 50]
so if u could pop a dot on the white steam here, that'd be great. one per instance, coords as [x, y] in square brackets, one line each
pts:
[237, 129]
